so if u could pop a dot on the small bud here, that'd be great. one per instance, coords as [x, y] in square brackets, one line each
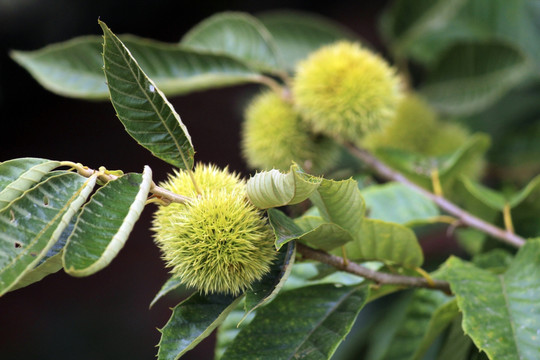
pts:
[346, 91]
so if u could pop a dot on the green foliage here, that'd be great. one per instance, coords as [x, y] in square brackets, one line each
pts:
[143, 109]
[238, 35]
[471, 76]
[387, 242]
[18, 175]
[220, 233]
[74, 68]
[42, 213]
[426, 315]
[513, 294]
[314, 330]
[409, 207]
[193, 320]
[105, 222]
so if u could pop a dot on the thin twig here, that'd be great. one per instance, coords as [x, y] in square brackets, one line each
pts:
[464, 217]
[275, 86]
[378, 277]
[165, 195]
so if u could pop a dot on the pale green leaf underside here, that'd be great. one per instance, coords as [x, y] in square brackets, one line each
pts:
[191, 321]
[236, 34]
[272, 188]
[143, 109]
[501, 312]
[472, 76]
[398, 203]
[75, 68]
[171, 284]
[105, 223]
[306, 323]
[297, 34]
[32, 224]
[387, 242]
[19, 175]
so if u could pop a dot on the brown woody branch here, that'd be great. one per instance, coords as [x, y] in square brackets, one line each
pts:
[463, 216]
[378, 277]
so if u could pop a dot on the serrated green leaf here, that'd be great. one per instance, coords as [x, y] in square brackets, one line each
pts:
[105, 223]
[319, 234]
[307, 323]
[239, 35]
[426, 315]
[32, 224]
[387, 242]
[272, 188]
[19, 175]
[266, 289]
[341, 203]
[191, 321]
[297, 34]
[472, 76]
[500, 311]
[171, 284]
[398, 203]
[143, 109]
[75, 68]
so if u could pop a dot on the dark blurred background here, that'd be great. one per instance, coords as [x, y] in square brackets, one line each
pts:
[106, 316]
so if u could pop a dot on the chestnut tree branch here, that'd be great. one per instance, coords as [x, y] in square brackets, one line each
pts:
[464, 217]
[378, 277]
[165, 195]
